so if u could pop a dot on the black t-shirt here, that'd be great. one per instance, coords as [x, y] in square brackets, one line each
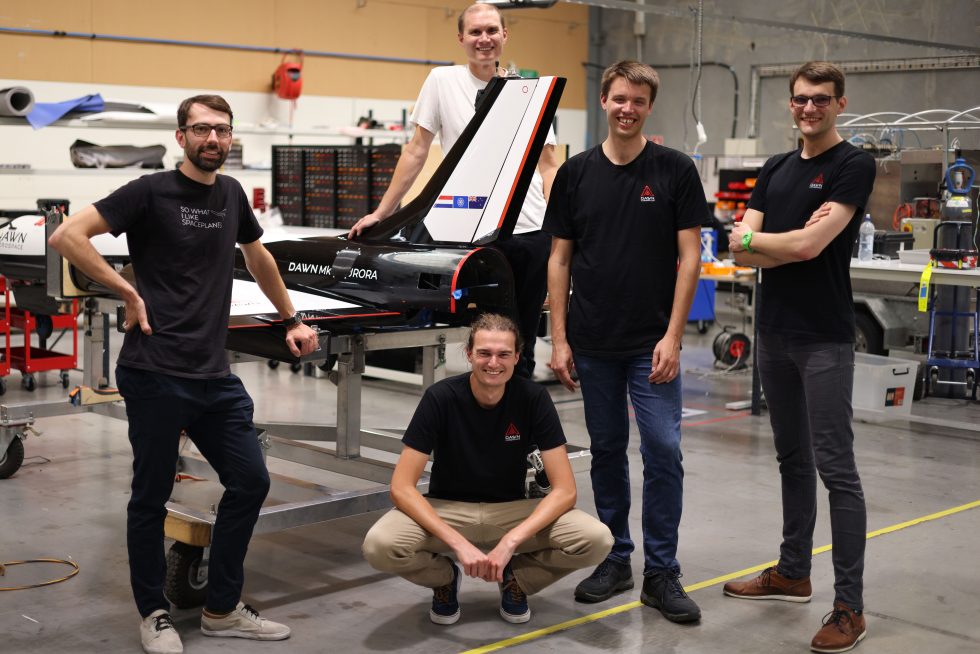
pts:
[481, 454]
[182, 237]
[810, 301]
[624, 221]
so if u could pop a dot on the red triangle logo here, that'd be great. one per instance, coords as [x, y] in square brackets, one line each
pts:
[512, 432]
[818, 179]
[647, 193]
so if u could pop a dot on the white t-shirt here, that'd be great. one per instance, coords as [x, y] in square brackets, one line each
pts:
[446, 105]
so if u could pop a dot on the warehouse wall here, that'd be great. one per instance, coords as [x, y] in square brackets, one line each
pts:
[552, 42]
[741, 45]
[335, 91]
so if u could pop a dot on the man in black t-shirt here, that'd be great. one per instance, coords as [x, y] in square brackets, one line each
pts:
[625, 219]
[479, 428]
[801, 223]
[182, 227]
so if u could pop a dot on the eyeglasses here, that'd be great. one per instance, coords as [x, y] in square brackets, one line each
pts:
[817, 100]
[203, 130]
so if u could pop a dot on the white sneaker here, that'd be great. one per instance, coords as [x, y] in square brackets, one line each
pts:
[243, 622]
[158, 634]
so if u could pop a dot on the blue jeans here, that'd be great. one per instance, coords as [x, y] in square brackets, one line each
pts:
[217, 415]
[605, 383]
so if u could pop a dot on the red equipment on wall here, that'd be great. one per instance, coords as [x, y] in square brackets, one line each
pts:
[287, 81]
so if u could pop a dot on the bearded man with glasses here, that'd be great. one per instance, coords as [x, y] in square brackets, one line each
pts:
[800, 227]
[182, 227]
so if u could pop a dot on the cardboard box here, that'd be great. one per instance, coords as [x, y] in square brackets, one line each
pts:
[883, 386]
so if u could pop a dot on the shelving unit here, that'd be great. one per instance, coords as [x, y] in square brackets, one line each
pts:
[21, 186]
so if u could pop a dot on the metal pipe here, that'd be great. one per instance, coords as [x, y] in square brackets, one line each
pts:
[220, 46]
[758, 71]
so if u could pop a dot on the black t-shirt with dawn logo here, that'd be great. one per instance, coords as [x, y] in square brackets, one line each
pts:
[181, 236]
[810, 301]
[624, 222]
[480, 455]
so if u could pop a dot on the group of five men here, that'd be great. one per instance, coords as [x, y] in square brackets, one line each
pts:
[623, 222]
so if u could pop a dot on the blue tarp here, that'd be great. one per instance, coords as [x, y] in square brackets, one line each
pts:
[45, 113]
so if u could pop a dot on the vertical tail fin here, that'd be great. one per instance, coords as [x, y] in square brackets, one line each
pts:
[476, 193]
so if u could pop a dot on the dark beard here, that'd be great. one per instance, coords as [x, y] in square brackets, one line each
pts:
[203, 164]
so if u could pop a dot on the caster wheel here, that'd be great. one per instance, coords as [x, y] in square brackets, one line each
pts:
[272, 363]
[28, 382]
[703, 326]
[3, 387]
[12, 459]
[182, 586]
[295, 367]
[64, 379]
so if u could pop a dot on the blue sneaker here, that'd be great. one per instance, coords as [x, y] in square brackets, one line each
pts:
[445, 603]
[513, 600]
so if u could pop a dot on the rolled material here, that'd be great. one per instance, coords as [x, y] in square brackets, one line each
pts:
[16, 101]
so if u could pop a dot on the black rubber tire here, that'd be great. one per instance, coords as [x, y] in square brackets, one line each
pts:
[272, 363]
[295, 367]
[29, 382]
[3, 387]
[44, 326]
[181, 586]
[65, 379]
[919, 388]
[328, 365]
[868, 337]
[12, 458]
[703, 326]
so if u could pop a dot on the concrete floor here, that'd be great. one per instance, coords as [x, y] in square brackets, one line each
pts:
[922, 593]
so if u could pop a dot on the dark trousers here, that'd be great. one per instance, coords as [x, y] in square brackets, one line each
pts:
[217, 415]
[808, 392]
[528, 257]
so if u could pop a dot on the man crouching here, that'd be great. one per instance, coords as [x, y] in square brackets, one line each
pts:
[479, 427]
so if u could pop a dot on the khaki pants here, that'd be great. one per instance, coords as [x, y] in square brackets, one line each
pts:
[576, 540]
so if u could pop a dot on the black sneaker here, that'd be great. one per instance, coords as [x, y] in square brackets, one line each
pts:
[662, 590]
[513, 600]
[609, 577]
[445, 601]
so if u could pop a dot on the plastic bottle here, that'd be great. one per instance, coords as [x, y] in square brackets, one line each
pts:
[866, 239]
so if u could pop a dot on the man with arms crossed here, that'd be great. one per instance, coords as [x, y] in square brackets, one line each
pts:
[182, 226]
[479, 427]
[445, 106]
[625, 218]
[800, 228]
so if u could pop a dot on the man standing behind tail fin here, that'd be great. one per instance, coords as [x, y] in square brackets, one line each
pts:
[445, 105]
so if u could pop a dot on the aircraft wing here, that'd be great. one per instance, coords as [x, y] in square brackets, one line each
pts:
[254, 325]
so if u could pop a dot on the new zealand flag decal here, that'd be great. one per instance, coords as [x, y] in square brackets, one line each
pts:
[461, 202]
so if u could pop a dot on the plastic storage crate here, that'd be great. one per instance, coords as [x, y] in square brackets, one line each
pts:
[883, 386]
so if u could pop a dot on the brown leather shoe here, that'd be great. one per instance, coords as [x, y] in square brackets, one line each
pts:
[842, 629]
[771, 585]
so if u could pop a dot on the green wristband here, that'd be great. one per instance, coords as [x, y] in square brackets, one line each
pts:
[747, 242]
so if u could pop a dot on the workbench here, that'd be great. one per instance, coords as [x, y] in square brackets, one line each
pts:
[888, 270]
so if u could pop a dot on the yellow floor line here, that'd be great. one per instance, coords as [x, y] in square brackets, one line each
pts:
[592, 617]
